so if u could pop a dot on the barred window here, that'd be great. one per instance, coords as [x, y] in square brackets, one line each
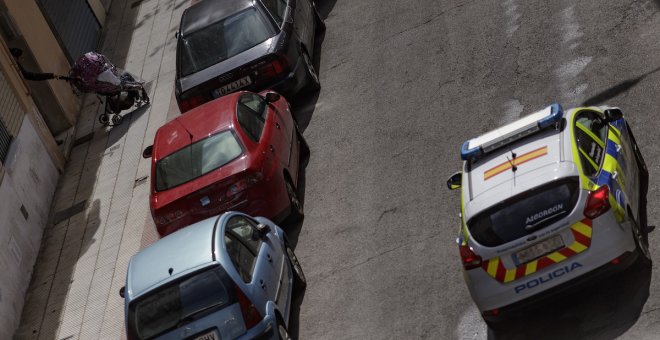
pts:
[5, 141]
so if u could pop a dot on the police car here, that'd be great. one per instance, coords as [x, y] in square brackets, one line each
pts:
[547, 202]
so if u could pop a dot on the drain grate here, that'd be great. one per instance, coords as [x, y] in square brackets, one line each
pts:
[68, 212]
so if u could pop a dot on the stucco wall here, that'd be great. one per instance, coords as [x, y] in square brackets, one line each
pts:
[29, 181]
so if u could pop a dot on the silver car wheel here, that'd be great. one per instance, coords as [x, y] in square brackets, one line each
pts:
[296, 265]
[284, 334]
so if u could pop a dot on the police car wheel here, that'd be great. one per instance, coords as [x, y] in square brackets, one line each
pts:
[641, 243]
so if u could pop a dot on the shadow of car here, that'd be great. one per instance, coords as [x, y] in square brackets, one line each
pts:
[227, 277]
[239, 152]
[224, 46]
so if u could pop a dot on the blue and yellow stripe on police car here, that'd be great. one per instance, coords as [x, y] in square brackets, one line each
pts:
[611, 167]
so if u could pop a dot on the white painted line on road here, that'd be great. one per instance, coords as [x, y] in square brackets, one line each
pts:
[512, 111]
[568, 72]
[511, 10]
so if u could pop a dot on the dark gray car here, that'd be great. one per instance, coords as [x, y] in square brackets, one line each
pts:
[227, 45]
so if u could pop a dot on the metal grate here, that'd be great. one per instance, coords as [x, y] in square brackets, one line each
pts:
[75, 25]
[5, 141]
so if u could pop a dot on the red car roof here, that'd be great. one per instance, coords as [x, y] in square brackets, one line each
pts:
[200, 122]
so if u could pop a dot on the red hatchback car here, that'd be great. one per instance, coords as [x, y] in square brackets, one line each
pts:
[239, 152]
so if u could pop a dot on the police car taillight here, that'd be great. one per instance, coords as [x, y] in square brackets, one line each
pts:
[598, 202]
[469, 258]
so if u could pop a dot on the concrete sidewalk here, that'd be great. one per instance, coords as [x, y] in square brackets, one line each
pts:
[100, 213]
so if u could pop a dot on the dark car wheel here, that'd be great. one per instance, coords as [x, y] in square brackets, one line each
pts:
[282, 332]
[313, 82]
[299, 280]
[297, 211]
[304, 148]
[320, 23]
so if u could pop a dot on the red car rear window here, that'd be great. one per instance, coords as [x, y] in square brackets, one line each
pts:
[196, 160]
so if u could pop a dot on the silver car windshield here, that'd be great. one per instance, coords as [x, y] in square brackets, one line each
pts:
[196, 160]
[222, 40]
[180, 303]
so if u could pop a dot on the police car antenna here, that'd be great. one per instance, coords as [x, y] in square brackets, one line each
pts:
[513, 157]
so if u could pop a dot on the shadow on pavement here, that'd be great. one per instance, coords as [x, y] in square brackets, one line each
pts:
[294, 315]
[128, 117]
[604, 310]
[617, 89]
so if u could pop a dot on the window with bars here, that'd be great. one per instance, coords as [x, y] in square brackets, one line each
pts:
[5, 141]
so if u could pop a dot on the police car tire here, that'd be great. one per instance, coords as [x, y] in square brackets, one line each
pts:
[642, 256]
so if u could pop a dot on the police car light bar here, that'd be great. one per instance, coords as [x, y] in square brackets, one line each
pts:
[477, 147]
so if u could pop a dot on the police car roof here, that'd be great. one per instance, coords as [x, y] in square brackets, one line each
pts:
[537, 159]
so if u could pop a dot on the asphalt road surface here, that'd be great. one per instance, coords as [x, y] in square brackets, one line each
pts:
[404, 84]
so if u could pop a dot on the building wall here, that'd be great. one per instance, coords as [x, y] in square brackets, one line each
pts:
[46, 50]
[26, 192]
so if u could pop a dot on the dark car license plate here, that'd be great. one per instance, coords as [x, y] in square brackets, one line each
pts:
[212, 335]
[233, 86]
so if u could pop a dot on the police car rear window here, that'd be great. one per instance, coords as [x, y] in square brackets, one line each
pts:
[525, 213]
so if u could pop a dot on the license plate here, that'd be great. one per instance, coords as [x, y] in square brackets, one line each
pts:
[233, 86]
[212, 335]
[540, 249]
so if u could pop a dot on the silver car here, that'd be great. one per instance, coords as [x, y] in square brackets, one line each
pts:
[227, 277]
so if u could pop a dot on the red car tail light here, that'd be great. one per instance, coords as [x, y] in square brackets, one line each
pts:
[598, 202]
[236, 188]
[469, 258]
[251, 315]
[240, 185]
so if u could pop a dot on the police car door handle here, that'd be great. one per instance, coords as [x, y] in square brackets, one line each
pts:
[618, 147]
[614, 174]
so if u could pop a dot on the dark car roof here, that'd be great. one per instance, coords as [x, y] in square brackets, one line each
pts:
[201, 122]
[207, 12]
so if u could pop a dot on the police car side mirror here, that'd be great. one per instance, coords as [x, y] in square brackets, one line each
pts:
[613, 114]
[454, 182]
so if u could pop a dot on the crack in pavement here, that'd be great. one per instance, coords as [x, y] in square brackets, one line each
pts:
[436, 16]
[323, 276]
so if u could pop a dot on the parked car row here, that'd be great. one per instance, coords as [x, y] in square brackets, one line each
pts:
[234, 153]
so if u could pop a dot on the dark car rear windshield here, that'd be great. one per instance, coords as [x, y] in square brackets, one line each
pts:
[196, 160]
[525, 213]
[182, 302]
[222, 40]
